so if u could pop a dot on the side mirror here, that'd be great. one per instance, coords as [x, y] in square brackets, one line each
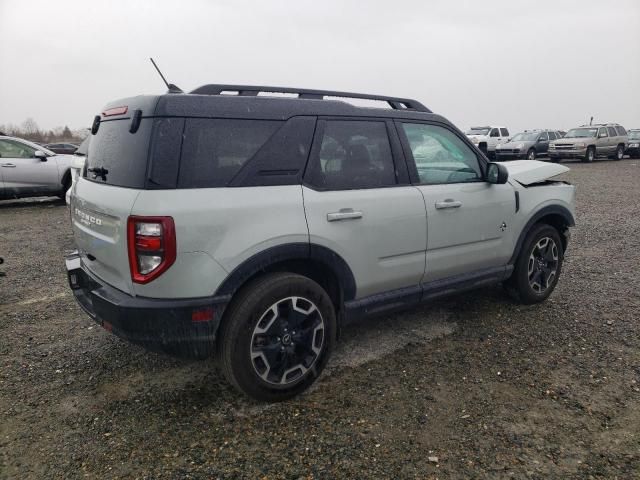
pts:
[497, 173]
[41, 155]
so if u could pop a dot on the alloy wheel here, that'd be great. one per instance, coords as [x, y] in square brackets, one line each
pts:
[543, 265]
[287, 340]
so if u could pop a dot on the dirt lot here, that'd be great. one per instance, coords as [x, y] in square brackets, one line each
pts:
[490, 388]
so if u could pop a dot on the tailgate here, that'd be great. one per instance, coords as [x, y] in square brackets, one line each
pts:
[99, 218]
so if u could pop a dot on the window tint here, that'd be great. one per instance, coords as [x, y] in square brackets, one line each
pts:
[621, 130]
[214, 150]
[495, 133]
[504, 132]
[353, 154]
[612, 132]
[440, 156]
[117, 157]
[552, 135]
[543, 137]
[13, 149]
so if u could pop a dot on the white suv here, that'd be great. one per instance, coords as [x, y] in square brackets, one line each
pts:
[488, 138]
[253, 226]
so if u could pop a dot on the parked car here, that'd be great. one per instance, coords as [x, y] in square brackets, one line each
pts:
[252, 226]
[488, 138]
[64, 148]
[589, 142]
[633, 148]
[77, 165]
[28, 170]
[529, 144]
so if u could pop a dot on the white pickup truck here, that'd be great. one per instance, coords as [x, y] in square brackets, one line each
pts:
[487, 138]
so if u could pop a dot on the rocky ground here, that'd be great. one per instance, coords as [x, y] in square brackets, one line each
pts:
[472, 386]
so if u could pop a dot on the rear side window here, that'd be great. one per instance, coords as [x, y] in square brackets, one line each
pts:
[612, 132]
[117, 157]
[353, 155]
[504, 132]
[552, 135]
[621, 131]
[214, 150]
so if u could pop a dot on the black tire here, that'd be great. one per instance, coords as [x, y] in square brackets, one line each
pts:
[619, 153]
[261, 322]
[531, 269]
[66, 185]
[590, 155]
[531, 154]
[483, 149]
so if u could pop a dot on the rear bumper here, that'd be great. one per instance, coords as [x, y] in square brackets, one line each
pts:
[186, 327]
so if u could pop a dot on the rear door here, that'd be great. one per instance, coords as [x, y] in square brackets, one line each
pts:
[25, 174]
[104, 196]
[468, 219]
[358, 203]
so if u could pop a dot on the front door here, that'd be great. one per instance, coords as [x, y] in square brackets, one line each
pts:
[25, 174]
[359, 204]
[468, 219]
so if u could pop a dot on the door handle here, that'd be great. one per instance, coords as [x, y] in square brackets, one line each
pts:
[343, 214]
[448, 203]
[8, 165]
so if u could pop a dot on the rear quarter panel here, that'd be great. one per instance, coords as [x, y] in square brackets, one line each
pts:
[219, 228]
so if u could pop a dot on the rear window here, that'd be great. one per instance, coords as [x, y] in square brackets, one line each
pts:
[214, 150]
[117, 157]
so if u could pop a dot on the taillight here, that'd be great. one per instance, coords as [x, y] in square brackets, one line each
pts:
[151, 242]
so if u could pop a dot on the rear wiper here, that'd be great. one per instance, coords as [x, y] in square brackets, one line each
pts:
[99, 172]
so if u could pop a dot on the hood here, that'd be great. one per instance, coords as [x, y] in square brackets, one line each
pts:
[524, 143]
[477, 137]
[528, 172]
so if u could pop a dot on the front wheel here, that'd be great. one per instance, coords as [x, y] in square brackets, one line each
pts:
[538, 266]
[531, 155]
[590, 155]
[277, 336]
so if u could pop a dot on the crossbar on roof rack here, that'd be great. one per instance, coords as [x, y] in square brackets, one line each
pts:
[253, 90]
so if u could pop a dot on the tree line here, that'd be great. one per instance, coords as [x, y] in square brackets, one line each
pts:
[29, 130]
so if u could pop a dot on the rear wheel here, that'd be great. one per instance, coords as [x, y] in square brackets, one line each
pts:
[590, 155]
[277, 336]
[538, 266]
[619, 153]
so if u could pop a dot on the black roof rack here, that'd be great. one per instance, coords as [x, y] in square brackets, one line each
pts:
[253, 90]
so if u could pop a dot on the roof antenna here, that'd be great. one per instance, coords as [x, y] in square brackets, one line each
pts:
[172, 88]
[591, 121]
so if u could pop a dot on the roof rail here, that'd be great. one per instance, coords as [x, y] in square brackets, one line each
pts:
[253, 90]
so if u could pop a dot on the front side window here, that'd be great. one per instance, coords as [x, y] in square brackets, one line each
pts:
[543, 137]
[353, 155]
[440, 156]
[603, 132]
[495, 133]
[13, 149]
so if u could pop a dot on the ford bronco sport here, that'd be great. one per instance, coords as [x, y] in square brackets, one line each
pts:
[252, 226]
[589, 142]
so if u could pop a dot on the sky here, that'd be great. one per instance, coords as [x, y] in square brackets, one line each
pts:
[515, 63]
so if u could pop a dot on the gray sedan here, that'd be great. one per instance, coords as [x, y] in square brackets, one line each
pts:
[28, 170]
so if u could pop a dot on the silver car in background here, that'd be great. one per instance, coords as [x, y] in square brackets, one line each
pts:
[529, 145]
[29, 170]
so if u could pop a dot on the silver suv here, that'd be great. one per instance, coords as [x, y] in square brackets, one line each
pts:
[589, 142]
[253, 226]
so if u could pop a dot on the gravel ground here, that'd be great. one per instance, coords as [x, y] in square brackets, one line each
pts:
[472, 386]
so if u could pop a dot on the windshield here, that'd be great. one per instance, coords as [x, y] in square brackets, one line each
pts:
[525, 137]
[635, 135]
[478, 131]
[581, 133]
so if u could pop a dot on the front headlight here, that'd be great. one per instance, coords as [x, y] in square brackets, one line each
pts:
[499, 146]
[580, 145]
[520, 145]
